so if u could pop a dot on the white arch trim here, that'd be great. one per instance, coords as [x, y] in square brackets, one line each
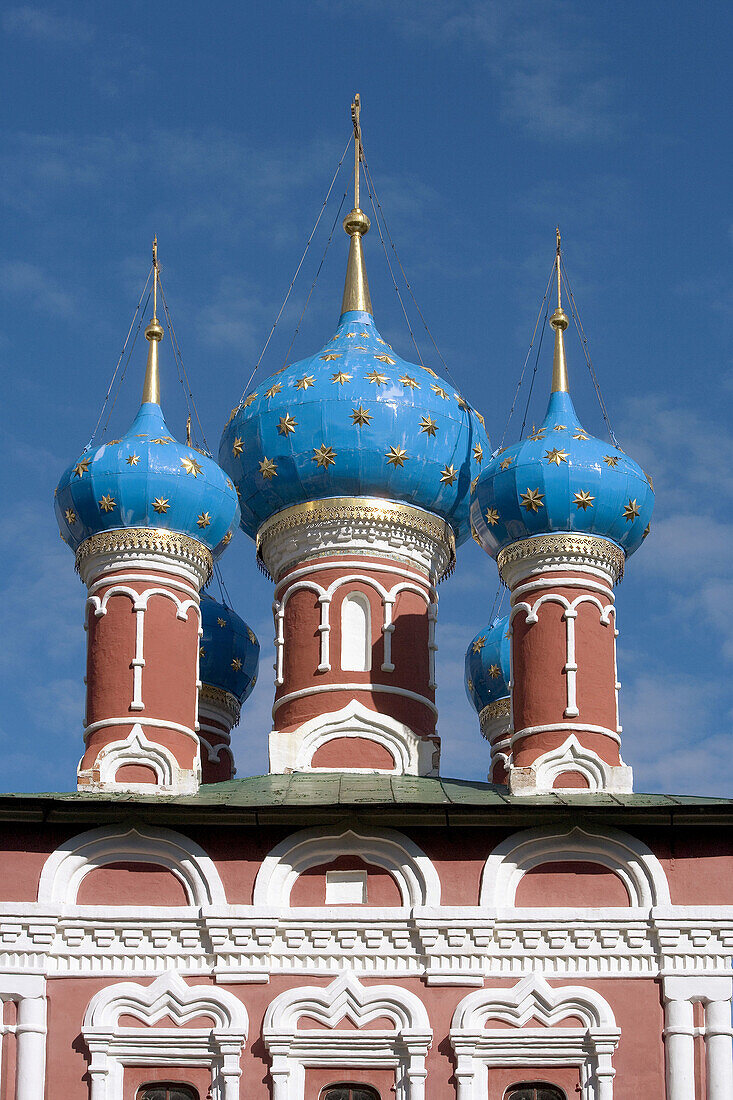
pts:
[112, 1047]
[574, 757]
[65, 869]
[295, 750]
[590, 1045]
[394, 852]
[170, 778]
[402, 1047]
[625, 855]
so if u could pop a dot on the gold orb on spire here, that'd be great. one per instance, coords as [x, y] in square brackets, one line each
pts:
[356, 222]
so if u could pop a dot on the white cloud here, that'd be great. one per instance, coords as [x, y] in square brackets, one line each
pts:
[37, 289]
[46, 27]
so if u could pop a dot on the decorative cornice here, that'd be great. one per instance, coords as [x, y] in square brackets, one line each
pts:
[221, 699]
[498, 709]
[565, 547]
[154, 539]
[350, 517]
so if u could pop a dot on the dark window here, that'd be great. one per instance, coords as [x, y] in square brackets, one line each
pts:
[534, 1090]
[167, 1090]
[349, 1092]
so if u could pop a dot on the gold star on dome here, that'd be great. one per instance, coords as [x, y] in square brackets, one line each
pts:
[492, 517]
[330, 356]
[237, 664]
[70, 516]
[204, 519]
[448, 474]
[429, 371]
[537, 433]
[238, 446]
[340, 377]
[141, 435]
[377, 378]
[396, 456]
[462, 403]
[163, 441]
[132, 460]
[560, 428]
[268, 468]
[439, 390]
[304, 382]
[286, 424]
[651, 483]
[248, 400]
[583, 499]
[81, 467]
[202, 651]
[108, 503]
[556, 456]
[580, 435]
[227, 538]
[364, 334]
[494, 672]
[381, 341]
[411, 383]
[506, 462]
[274, 390]
[191, 466]
[360, 347]
[232, 414]
[221, 622]
[474, 483]
[532, 500]
[631, 510]
[324, 456]
[361, 417]
[469, 684]
[251, 635]
[610, 460]
[161, 505]
[229, 484]
[647, 529]
[350, 335]
[112, 442]
[479, 644]
[478, 453]
[479, 417]
[474, 535]
[428, 425]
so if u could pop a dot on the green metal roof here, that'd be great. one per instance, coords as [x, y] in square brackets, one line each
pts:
[331, 796]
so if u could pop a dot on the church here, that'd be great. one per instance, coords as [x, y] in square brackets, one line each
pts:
[354, 925]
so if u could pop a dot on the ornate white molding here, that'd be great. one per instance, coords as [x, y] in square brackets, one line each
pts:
[294, 750]
[170, 778]
[403, 1047]
[623, 854]
[28, 992]
[564, 550]
[131, 545]
[112, 1046]
[540, 776]
[590, 1046]
[363, 526]
[394, 852]
[73, 860]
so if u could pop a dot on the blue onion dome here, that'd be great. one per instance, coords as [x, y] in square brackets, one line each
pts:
[147, 479]
[355, 419]
[561, 479]
[229, 652]
[487, 665]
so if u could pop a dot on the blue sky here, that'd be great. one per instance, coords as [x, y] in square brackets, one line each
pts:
[218, 127]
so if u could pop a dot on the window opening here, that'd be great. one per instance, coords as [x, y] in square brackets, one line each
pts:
[167, 1090]
[356, 633]
[349, 1092]
[534, 1090]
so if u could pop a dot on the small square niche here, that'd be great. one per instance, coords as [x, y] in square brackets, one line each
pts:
[346, 887]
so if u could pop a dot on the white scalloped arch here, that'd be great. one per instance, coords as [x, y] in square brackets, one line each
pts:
[65, 869]
[394, 852]
[618, 851]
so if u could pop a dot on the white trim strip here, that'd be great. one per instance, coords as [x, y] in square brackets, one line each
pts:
[388, 689]
[579, 727]
[138, 720]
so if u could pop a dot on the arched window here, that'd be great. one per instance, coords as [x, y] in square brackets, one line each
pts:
[356, 633]
[534, 1090]
[349, 1092]
[167, 1090]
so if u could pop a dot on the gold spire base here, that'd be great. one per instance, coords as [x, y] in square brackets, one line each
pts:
[559, 322]
[151, 386]
[356, 286]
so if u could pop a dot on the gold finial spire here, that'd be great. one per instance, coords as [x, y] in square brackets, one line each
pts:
[153, 333]
[559, 322]
[356, 224]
